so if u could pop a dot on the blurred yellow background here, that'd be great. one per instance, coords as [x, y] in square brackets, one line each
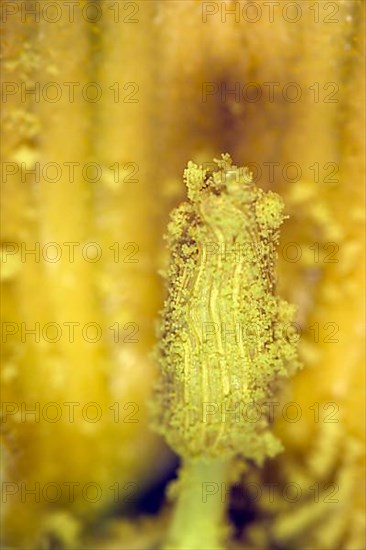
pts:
[103, 105]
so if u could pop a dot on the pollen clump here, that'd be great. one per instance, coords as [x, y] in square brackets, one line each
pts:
[223, 347]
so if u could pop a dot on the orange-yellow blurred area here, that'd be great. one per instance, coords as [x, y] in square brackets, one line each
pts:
[103, 105]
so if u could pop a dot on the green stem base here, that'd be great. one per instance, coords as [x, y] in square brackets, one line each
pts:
[198, 520]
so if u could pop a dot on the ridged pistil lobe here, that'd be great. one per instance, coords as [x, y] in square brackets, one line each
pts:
[222, 342]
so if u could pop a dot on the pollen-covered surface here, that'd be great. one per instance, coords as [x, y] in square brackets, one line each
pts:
[222, 340]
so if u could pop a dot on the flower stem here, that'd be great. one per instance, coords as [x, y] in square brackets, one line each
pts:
[198, 517]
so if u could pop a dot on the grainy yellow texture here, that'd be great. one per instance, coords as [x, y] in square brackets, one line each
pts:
[190, 53]
[221, 347]
[221, 344]
[324, 128]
